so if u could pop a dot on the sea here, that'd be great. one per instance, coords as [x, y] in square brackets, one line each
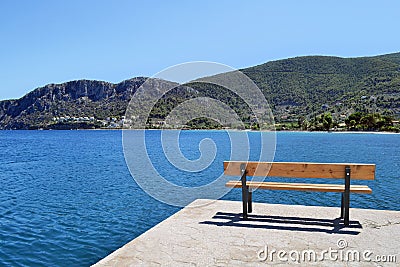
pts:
[70, 198]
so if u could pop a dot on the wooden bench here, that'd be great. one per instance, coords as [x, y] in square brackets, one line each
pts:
[345, 171]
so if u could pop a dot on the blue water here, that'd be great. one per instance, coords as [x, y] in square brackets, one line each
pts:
[67, 197]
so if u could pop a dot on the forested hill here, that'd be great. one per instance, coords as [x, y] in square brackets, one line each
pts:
[311, 85]
[298, 89]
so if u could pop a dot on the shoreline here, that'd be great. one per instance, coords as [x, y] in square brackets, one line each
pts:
[236, 130]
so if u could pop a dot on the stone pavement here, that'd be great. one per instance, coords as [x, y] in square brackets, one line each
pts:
[211, 233]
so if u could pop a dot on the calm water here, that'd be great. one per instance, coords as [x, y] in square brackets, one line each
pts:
[67, 197]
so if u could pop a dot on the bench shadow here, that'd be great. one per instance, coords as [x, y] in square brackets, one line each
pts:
[330, 226]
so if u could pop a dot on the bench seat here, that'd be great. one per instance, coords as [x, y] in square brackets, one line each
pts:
[338, 188]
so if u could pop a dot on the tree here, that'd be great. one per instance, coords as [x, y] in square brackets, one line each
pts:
[353, 120]
[368, 121]
[327, 121]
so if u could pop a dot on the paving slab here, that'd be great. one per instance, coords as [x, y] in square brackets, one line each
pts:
[212, 233]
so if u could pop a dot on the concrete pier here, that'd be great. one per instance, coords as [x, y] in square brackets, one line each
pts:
[274, 235]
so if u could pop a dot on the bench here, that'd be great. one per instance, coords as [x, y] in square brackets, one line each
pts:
[345, 171]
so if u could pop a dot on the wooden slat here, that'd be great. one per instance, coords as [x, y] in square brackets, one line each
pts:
[362, 189]
[301, 169]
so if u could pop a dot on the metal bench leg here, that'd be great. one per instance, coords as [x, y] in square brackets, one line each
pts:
[244, 190]
[250, 200]
[342, 207]
[347, 197]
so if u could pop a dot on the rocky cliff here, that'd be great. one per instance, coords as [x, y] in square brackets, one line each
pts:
[43, 107]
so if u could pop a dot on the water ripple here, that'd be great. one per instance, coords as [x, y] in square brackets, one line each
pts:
[68, 199]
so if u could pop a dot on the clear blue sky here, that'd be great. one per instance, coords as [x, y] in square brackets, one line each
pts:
[51, 41]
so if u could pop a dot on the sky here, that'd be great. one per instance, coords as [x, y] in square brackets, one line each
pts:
[54, 41]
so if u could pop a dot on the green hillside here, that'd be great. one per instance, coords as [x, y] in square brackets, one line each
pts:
[307, 86]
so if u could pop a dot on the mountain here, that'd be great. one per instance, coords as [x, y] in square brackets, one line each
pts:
[301, 87]
[306, 86]
[55, 105]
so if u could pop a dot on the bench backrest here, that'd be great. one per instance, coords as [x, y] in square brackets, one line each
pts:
[301, 169]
